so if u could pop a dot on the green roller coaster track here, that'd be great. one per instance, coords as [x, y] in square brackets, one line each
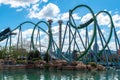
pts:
[80, 27]
[71, 24]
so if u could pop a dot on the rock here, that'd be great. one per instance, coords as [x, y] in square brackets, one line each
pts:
[93, 64]
[63, 62]
[59, 66]
[56, 66]
[39, 63]
[81, 66]
[1, 61]
[89, 67]
[68, 67]
[80, 62]
[30, 66]
[50, 64]
[74, 63]
[101, 68]
[1, 67]
[10, 61]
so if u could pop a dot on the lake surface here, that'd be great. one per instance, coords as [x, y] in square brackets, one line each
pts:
[37, 74]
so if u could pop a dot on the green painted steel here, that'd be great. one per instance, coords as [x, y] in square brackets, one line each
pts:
[111, 29]
[80, 27]
[71, 24]
[49, 34]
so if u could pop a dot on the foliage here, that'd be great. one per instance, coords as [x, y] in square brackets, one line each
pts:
[93, 64]
[16, 53]
[12, 52]
[21, 61]
[74, 54]
[32, 55]
[47, 57]
[2, 53]
[35, 59]
[37, 54]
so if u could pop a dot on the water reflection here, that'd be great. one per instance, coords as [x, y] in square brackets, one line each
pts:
[37, 74]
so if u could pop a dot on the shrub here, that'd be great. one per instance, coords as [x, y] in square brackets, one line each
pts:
[35, 59]
[93, 64]
[37, 54]
[47, 57]
[30, 55]
[34, 54]
[21, 61]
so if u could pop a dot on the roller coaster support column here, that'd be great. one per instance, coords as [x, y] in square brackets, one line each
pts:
[60, 36]
[49, 31]
[95, 47]
[11, 40]
[69, 40]
[60, 33]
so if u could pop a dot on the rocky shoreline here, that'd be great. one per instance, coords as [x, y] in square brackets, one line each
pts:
[56, 64]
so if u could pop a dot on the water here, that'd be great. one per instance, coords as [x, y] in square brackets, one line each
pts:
[37, 74]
